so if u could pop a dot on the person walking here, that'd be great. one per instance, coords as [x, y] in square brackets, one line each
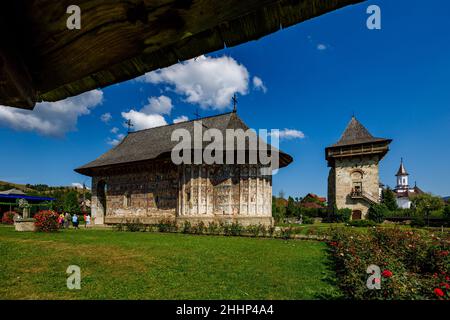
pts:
[88, 220]
[61, 220]
[75, 221]
[67, 219]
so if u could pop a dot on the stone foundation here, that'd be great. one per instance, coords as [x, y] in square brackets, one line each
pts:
[24, 226]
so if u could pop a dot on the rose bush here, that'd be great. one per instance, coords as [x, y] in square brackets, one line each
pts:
[8, 217]
[46, 221]
[413, 264]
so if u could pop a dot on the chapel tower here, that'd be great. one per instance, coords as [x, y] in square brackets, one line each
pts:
[353, 181]
[402, 178]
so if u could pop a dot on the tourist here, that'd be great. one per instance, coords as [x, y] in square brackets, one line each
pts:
[61, 220]
[87, 220]
[67, 220]
[75, 221]
[84, 219]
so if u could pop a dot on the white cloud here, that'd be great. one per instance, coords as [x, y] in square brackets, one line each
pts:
[289, 134]
[114, 130]
[77, 185]
[51, 118]
[141, 120]
[321, 47]
[180, 119]
[206, 81]
[158, 105]
[106, 117]
[258, 84]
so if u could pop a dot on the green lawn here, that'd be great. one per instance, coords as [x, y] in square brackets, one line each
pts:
[124, 265]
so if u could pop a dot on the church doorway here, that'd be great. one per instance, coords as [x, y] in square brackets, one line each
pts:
[356, 215]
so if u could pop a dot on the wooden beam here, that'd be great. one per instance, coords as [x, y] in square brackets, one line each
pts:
[120, 40]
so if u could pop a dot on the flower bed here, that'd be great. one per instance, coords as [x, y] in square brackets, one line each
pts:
[8, 217]
[46, 221]
[413, 264]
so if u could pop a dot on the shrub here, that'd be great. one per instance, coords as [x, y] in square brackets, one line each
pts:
[8, 217]
[446, 212]
[167, 225]
[413, 263]
[253, 230]
[199, 228]
[46, 221]
[286, 233]
[187, 227]
[236, 229]
[378, 212]
[213, 228]
[307, 220]
[362, 223]
[271, 231]
[342, 215]
[134, 225]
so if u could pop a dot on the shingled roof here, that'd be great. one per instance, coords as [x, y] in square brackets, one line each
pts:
[402, 171]
[152, 143]
[356, 133]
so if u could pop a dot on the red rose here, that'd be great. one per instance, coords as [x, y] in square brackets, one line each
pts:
[439, 292]
[443, 284]
[387, 274]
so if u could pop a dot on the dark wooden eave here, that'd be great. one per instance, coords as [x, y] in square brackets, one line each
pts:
[41, 60]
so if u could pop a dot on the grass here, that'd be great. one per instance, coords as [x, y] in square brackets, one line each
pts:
[124, 265]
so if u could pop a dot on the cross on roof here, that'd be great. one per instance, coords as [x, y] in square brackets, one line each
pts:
[234, 99]
[196, 114]
[129, 124]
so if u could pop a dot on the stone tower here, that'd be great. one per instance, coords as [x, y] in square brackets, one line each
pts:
[353, 181]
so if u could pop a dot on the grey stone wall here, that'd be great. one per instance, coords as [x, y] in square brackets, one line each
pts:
[349, 172]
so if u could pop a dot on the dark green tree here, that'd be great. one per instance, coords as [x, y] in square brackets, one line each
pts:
[389, 199]
[71, 203]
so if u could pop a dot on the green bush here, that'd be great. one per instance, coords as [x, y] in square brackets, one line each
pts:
[187, 227]
[378, 212]
[342, 215]
[307, 220]
[286, 233]
[214, 228]
[362, 223]
[134, 225]
[447, 212]
[413, 264]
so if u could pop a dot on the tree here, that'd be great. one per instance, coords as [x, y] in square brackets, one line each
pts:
[447, 211]
[377, 212]
[389, 199]
[71, 204]
[424, 203]
[291, 208]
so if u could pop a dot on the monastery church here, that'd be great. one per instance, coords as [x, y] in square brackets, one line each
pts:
[137, 179]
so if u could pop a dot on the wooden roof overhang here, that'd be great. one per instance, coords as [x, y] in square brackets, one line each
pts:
[380, 148]
[42, 60]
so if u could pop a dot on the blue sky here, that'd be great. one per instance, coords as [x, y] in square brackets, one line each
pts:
[317, 74]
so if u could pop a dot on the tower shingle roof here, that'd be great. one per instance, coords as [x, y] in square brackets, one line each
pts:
[356, 133]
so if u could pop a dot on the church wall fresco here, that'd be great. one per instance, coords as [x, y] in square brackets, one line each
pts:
[191, 192]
